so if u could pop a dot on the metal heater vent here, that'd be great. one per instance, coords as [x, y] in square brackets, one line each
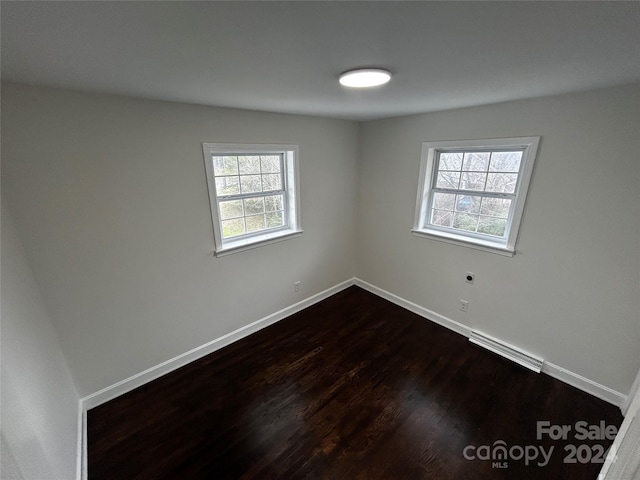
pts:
[508, 351]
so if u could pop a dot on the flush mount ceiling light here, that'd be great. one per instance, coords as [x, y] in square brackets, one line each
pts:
[365, 77]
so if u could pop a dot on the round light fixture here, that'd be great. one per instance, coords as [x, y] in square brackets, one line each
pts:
[365, 78]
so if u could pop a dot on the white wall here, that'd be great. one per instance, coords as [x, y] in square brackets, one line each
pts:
[571, 293]
[39, 400]
[110, 199]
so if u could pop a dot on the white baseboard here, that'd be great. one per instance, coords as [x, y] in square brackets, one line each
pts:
[633, 393]
[139, 379]
[597, 390]
[172, 364]
[135, 381]
[415, 308]
[594, 388]
[80, 447]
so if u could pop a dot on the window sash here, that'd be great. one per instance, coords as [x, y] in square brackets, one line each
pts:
[427, 217]
[285, 219]
[429, 211]
[283, 177]
[243, 196]
[491, 151]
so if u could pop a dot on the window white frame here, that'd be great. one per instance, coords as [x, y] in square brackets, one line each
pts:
[291, 213]
[429, 168]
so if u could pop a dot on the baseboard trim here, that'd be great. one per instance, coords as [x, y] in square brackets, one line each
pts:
[415, 308]
[93, 400]
[84, 467]
[80, 447]
[635, 390]
[586, 385]
[589, 386]
[601, 391]
[139, 379]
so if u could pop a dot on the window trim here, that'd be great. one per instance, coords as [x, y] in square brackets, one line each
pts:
[529, 146]
[291, 191]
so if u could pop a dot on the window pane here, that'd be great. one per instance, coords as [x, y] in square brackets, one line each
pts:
[505, 162]
[496, 207]
[476, 162]
[254, 206]
[473, 181]
[270, 163]
[227, 186]
[502, 182]
[450, 161]
[271, 182]
[225, 165]
[273, 203]
[231, 228]
[468, 204]
[275, 219]
[250, 183]
[442, 218]
[255, 223]
[448, 180]
[492, 226]
[464, 221]
[249, 164]
[231, 209]
[444, 201]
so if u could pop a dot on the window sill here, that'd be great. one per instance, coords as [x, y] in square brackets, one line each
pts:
[477, 244]
[236, 246]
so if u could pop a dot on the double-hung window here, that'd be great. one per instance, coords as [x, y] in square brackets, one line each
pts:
[473, 192]
[253, 194]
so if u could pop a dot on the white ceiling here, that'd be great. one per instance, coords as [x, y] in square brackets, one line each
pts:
[286, 56]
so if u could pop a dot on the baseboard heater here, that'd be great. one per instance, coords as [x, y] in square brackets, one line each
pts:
[508, 351]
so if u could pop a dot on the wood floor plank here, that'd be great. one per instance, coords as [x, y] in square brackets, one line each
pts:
[353, 387]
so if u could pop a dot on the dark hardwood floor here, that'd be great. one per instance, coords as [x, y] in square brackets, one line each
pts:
[353, 387]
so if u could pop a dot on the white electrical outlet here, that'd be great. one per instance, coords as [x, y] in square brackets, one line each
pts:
[464, 305]
[296, 286]
[470, 277]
